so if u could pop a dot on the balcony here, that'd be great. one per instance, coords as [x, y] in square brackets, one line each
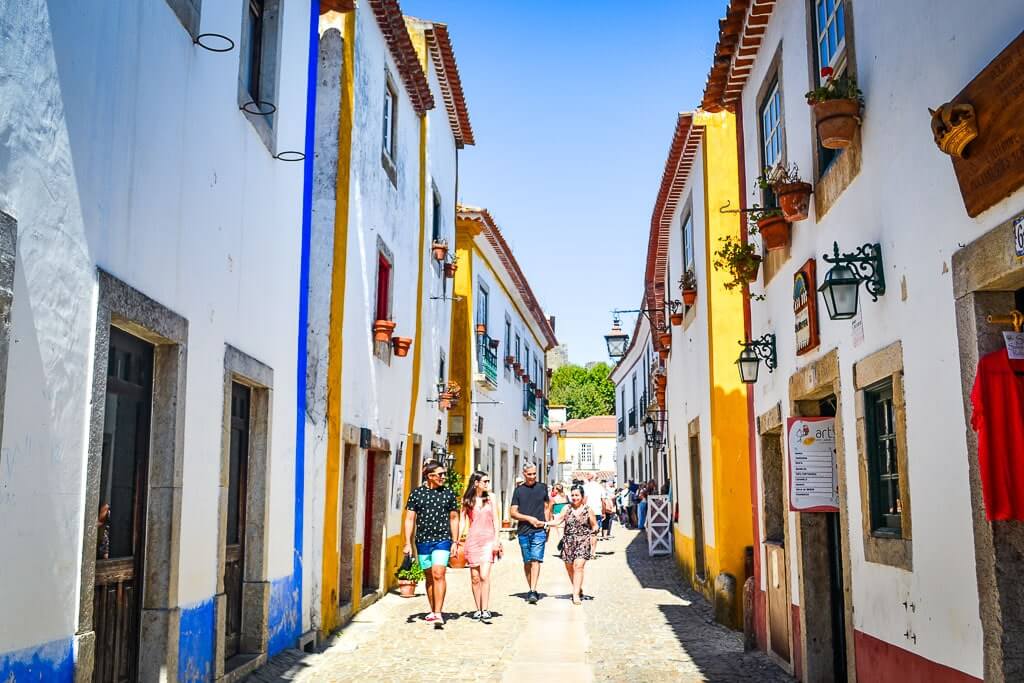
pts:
[632, 421]
[487, 362]
[529, 402]
[622, 429]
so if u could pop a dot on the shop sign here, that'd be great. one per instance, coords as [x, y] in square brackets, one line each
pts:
[993, 165]
[1018, 236]
[813, 474]
[805, 308]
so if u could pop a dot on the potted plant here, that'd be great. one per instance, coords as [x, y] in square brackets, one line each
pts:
[794, 194]
[408, 578]
[663, 354]
[494, 344]
[450, 267]
[740, 260]
[382, 330]
[510, 361]
[688, 286]
[665, 339]
[676, 317]
[481, 328]
[772, 225]
[440, 249]
[837, 107]
[538, 392]
[401, 346]
[448, 394]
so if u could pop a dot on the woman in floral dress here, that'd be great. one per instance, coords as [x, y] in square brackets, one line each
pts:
[580, 526]
[482, 544]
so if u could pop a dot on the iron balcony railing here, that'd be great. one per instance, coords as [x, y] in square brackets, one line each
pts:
[529, 401]
[487, 359]
[632, 420]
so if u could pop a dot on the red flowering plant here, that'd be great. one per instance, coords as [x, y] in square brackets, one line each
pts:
[843, 87]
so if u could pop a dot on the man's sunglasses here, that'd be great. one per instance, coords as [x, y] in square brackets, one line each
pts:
[437, 474]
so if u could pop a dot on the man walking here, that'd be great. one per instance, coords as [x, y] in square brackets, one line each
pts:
[433, 511]
[531, 507]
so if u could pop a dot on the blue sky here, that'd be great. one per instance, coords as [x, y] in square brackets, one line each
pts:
[573, 105]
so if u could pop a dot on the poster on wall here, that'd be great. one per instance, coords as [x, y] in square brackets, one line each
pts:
[813, 474]
[805, 308]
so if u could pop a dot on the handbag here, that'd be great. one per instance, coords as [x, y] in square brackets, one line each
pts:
[406, 564]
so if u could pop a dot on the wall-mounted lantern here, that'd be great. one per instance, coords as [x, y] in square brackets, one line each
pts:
[751, 356]
[841, 287]
[617, 340]
[651, 433]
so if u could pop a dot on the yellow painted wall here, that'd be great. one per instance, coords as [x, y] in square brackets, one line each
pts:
[461, 347]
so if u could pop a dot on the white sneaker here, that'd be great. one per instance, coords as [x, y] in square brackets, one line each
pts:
[438, 619]
[478, 614]
[432, 618]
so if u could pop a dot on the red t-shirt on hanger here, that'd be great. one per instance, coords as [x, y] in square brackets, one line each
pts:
[998, 401]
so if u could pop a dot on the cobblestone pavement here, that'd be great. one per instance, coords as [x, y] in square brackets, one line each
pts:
[643, 624]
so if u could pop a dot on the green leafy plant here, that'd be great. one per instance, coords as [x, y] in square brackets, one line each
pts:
[759, 213]
[583, 391]
[766, 181]
[835, 88]
[456, 482]
[413, 573]
[740, 260]
[687, 281]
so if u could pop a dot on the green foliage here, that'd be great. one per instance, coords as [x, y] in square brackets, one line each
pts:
[413, 573]
[456, 482]
[740, 260]
[836, 88]
[583, 392]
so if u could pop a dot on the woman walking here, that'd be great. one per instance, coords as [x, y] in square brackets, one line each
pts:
[580, 526]
[482, 545]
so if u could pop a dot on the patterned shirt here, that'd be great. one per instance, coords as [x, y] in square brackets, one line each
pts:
[433, 508]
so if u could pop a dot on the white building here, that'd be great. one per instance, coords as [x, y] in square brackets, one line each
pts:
[929, 588]
[589, 448]
[391, 118]
[634, 398]
[153, 242]
[499, 339]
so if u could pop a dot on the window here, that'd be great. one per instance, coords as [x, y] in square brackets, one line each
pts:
[883, 461]
[383, 308]
[517, 348]
[526, 360]
[830, 26]
[771, 135]
[435, 217]
[586, 455]
[257, 68]
[482, 305]
[390, 100]
[634, 391]
[688, 243]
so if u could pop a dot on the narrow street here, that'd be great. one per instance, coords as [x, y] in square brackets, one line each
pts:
[643, 624]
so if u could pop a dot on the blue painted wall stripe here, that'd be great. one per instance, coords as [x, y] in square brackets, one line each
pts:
[195, 642]
[52, 661]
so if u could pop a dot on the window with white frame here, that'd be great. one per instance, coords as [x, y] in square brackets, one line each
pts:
[586, 454]
[687, 230]
[830, 29]
[258, 66]
[390, 114]
[771, 135]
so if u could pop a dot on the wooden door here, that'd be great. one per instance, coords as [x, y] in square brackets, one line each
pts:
[369, 580]
[778, 599]
[121, 520]
[238, 484]
[699, 563]
[837, 596]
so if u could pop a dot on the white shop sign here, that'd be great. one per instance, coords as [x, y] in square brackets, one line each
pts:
[813, 475]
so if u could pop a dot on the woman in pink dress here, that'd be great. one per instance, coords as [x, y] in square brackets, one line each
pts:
[482, 545]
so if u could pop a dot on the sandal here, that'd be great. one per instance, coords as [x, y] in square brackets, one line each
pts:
[576, 600]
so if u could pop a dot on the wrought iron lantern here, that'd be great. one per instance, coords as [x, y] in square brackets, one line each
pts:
[651, 433]
[749, 362]
[617, 340]
[449, 459]
[841, 287]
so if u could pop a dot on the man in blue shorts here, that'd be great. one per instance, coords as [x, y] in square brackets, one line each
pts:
[531, 507]
[433, 511]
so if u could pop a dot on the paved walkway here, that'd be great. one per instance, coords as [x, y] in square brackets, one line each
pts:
[642, 625]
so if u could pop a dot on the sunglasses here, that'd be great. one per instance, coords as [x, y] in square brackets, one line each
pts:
[437, 474]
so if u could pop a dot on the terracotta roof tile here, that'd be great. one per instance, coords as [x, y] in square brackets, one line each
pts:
[392, 24]
[739, 38]
[596, 424]
[443, 55]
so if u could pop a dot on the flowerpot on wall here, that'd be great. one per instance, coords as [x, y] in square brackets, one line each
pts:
[689, 297]
[538, 393]
[449, 270]
[382, 330]
[406, 588]
[494, 343]
[661, 381]
[750, 272]
[401, 345]
[794, 200]
[677, 319]
[440, 251]
[663, 354]
[481, 328]
[444, 403]
[665, 339]
[510, 360]
[774, 231]
[837, 122]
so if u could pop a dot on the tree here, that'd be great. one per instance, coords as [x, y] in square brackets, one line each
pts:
[584, 392]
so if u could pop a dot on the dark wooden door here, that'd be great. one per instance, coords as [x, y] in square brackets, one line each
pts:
[837, 596]
[699, 568]
[121, 519]
[238, 483]
[369, 580]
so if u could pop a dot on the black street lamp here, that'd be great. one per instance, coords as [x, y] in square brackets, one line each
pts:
[651, 433]
[449, 459]
[841, 287]
[753, 352]
[617, 340]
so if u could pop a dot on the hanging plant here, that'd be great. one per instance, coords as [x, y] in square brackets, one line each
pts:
[451, 266]
[794, 194]
[740, 260]
[440, 249]
[688, 287]
[772, 225]
[837, 107]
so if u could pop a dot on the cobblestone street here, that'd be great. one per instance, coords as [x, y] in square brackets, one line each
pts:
[642, 625]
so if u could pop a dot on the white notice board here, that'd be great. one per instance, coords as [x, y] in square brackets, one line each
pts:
[813, 475]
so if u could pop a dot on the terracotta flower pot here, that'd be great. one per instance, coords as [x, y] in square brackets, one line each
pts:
[481, 329]
[661, 381]
[794, 200]
[449, 270]
[382, 330]
[510, 360]
[539, 393]
[666, 339]
[689, 297]
[440, 251]
[751, 271]
[494, 343]
[774, 231]
[837, 122]
[677, 319]
[444, 403]
[406, 588]
[663, 354]
[401, 346]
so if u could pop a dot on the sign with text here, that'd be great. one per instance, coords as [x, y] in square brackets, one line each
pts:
[993, 164]
[805, 308]
[813, 475]
[1018, 236]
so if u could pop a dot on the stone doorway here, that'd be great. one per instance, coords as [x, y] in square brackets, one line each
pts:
[988, 280]
[349, 503]
[774, 514]
[374, 520]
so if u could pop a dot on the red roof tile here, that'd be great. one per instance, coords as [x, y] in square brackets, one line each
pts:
[596, 424]
[739, 38]
[392, 24]
[443, 55]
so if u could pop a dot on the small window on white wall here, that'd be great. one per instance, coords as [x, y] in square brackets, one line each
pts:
[587, 455]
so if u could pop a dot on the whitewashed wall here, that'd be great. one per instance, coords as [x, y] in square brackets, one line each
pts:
[603, 450]
[909, 58]
[131, 155]
[633, 447]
